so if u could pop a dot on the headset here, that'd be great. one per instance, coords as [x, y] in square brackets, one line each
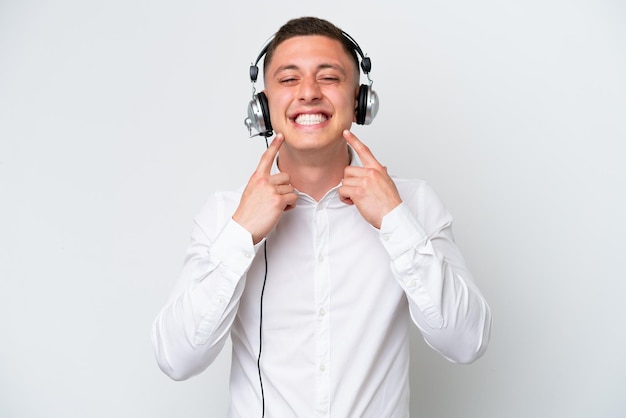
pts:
[259, 112]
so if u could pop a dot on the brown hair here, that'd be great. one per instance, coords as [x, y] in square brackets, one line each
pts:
[305, 26]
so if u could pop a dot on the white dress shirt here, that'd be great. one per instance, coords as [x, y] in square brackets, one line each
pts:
[337, 302]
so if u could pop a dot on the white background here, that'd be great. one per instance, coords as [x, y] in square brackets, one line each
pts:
[118, 118]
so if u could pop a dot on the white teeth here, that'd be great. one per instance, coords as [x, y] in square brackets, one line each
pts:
[308, 119]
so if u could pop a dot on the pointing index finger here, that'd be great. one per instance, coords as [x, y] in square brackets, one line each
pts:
[267, 159]
[362, 150]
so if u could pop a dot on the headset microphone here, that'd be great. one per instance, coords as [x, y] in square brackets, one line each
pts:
[258, 109]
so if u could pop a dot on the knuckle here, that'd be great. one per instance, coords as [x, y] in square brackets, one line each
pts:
[262, 180]
[276, 200]
[371, 172]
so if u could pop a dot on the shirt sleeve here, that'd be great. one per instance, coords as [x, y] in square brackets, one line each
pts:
[192, 328]
[444, 301]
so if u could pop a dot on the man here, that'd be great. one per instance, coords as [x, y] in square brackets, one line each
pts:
[316, 266]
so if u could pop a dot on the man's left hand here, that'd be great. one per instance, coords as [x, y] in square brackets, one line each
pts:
[369, 187]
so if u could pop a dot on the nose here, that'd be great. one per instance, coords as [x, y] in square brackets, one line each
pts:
[309, 90]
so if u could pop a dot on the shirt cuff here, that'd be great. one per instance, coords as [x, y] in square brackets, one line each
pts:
[233, 249]
[401, 231]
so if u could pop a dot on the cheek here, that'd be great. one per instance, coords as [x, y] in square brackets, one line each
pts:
[347, 103]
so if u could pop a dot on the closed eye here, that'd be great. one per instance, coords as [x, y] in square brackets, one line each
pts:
[329, 79]
[288, 80]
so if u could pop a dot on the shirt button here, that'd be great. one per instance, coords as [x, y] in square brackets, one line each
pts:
[386, 237]
[222, 300]
[412, 284]
[247, 254]
[322, 368]
[321, 258]
[322, 312]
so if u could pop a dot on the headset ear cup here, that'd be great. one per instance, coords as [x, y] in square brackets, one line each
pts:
[367, 105]
[265, 111]
[361, 109]
[258, 115]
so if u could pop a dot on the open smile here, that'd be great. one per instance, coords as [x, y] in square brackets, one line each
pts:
[309, 119]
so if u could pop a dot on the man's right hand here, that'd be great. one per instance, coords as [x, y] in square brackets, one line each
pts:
[266, 196]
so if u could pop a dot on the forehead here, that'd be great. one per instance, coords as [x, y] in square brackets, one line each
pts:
[311, 50]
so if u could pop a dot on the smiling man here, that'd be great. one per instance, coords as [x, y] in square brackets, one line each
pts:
[316, 268]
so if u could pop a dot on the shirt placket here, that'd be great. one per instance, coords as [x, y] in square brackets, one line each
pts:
[322, 309]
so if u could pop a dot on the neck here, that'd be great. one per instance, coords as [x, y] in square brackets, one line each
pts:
[314, 172]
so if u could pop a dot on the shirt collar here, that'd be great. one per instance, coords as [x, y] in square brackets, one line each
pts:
[354, 161]
[330, 196]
